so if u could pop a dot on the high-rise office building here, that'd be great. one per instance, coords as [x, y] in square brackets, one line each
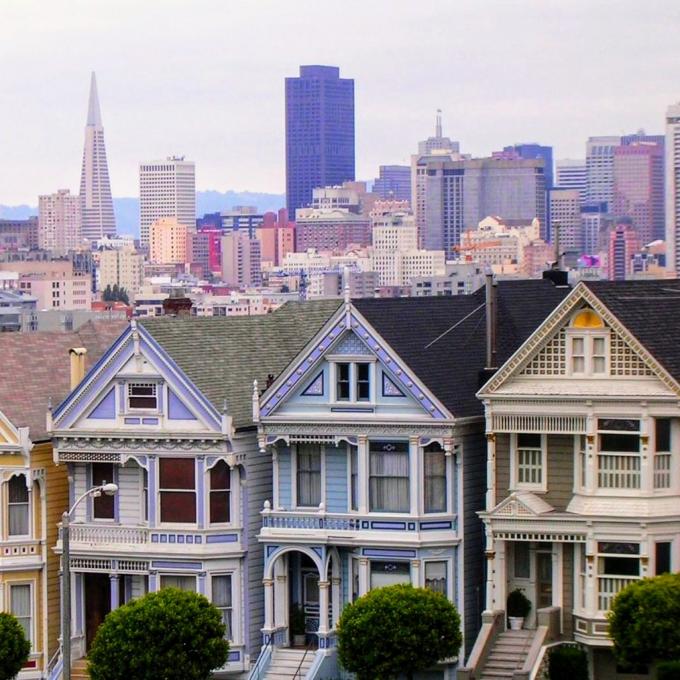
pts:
[394, 183]
[168, 241]
[639, 188]
[241, 259]
[673, 188]
[531, 151]
[571, 174]
[59, 221]
[319, 133]
[600, 168]
[438, 142]
[96, 203]
[166, 189]
[565, 217]
[623, 243]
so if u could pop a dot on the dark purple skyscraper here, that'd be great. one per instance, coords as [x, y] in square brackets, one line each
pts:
[319, 132]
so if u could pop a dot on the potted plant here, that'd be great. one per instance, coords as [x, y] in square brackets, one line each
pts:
[519, 607]
[297, 625]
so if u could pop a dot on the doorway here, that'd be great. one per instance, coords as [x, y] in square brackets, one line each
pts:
[544, 579]
[97, 604]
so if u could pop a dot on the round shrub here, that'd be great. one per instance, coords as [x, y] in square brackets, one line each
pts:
[14, 647]
[568, 663]
[668, 670]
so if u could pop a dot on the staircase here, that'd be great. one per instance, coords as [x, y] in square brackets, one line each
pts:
[285, 663]
[507, 655]
[79, 670]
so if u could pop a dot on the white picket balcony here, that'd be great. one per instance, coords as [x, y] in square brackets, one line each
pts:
[610, 586]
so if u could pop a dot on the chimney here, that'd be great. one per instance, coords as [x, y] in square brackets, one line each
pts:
[491, 323]
[77, 355]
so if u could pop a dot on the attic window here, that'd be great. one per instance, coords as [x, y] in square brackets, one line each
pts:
[588, 345]
[587, 318]
[142, 396]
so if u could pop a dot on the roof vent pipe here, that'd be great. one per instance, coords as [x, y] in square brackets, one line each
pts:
[491, 323]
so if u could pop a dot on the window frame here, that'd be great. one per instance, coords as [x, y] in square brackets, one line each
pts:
[160, 490]
[447, 503]
[228, 491]
[588, 336]
[541, 487]
[93, 499]
[447, 571]
[157, 386]
[353, 363]
[178, 575]
[31, 595]
[231, 576]
[388, 561]
[295, 492]
[408, 453]
[10, 505]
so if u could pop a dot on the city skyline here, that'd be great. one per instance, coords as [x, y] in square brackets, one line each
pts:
[234, 99]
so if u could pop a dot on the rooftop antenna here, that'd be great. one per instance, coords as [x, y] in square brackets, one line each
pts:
[438, 125]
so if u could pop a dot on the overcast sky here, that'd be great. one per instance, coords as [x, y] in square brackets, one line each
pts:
[205, 78]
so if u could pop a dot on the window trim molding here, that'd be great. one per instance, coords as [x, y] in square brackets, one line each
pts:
[231, 490]
[159, 491]
[352, 361]
[31, 583]
[20, 472]
[588, 335]
[447, 481]
[515, 484]
[233, 574]
[294, 473]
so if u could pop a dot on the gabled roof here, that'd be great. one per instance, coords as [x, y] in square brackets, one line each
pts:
[650, 311]
[37, 369]
[443, 339]
[223, 355]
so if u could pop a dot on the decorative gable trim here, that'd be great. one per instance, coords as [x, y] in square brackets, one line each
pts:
[13, 438]
[315, 387]
[521, 504]
[390, 388]
[106, 408]
[528, 360]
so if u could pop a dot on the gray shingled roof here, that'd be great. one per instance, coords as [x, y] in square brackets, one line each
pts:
[223, 355]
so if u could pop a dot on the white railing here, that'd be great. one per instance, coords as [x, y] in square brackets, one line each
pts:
[96, 535]
[610, 586]
[311, 520]
[662, 471]
[618, 471]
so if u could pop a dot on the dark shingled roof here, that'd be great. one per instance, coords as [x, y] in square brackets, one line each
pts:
[650, 310]
[36, 368]
[223, 355]
[451, 365]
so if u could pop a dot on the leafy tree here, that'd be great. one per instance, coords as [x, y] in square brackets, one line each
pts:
[397, 630]
[567, 663]
[167, 635]
[14, 647]
[115, 294]
[643, 621]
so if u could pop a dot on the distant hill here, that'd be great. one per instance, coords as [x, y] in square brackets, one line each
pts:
[127, 209]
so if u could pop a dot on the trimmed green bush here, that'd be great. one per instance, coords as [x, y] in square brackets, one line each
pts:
[397, 630]
[518, 604]
[643, 621]
[14, 647]
[567, 663]
[668, 670]
[168, 635]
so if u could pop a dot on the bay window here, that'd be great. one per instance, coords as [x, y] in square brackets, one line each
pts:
[618, 564]
[389, 476]
[308, 475]
[177, 489]
[220, 491]
[18, 506]
[619, 453]
[434, 463]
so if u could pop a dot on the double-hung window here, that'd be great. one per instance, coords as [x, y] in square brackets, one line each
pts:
[662, 453]
[177, 488]
[434, 463]
[103, 507]
[435, 577]
[18, 506]
[618, 458]
[220, 490]
[185, 583]
[529, 461]
[221, 598]
[353, 381]
[20, 606]
[588, 345]
[142, 396]
[389, 477]
[308, 475]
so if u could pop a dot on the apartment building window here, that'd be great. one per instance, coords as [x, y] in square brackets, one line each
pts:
[177, 487]
[619, 453]
[434, 463]
[142, 396]
[18, 506]
[308, 475]
[103, 507]
[389, 476]
[222, 599]
[185, 583]
[529, 461]
[435, 577]
[220, 493]
[662, 453]
[20, 606]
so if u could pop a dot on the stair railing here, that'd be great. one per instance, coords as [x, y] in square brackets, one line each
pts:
[255, 674]
[298, 672]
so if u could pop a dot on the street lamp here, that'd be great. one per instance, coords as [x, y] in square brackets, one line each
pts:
[109, 490]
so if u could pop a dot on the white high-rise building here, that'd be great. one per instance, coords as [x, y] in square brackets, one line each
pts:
[673, 188]
[59, 221]
[96, 203]
[571, 174]
[166, 189]
[600, 168]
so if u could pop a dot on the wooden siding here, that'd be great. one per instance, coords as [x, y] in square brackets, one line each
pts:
[56, 502]
[502, 466]
[336, 479]
[567, 589]
[130, 494]
[560, 470]
[80, 475]
[285, 480]
[259, 488]
[474, 489]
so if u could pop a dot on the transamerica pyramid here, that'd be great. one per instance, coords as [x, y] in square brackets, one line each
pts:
[95, 189]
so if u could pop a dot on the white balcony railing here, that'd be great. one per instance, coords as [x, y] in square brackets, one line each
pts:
[610, 586]
[618, 471]
[662, 471]
[96, 535]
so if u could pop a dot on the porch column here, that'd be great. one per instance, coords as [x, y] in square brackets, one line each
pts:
[323, 606]
[591, 577]
[115, 590]
[268, 584]
[646, 455]
[500, 574]
[363, 576]
[490, 471]
[336, 596]
[280, 591]
[415, 574]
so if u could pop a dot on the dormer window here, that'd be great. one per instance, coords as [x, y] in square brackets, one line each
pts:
[353, 381]
[588, 345]
[142, 396]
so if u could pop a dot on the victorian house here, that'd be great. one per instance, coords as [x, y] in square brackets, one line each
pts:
[378, 459]
[166, 415]
[33, 492]
[583, 432]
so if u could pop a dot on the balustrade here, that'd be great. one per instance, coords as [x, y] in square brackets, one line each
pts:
[610, 586]
[618, 471]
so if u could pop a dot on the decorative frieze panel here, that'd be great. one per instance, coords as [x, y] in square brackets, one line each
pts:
[20, 550]
[624, 361]
[95, 564]
[539, 536]
[515, 422]
[309, 431]
[88, 457]
[552, 359]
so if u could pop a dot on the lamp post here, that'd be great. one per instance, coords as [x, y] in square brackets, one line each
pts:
[109, 490]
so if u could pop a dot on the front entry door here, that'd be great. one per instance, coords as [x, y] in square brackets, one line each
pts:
[97, 604]
[544, 580]
[310, 585]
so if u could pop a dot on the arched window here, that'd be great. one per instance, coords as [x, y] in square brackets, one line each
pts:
[588, 344]
[18, 506]
[220, 493]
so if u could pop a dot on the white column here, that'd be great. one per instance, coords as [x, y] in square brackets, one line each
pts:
[490, 555]
[336, 597]
[415, 574]
[362, 473]
[268, 584]
[591, 577]
[490, 471]
[323, 606]
[646, 455]
[415, 481]
[364, 582]
[280, 591]
[115, 590]
[275, 478]
[501, 576]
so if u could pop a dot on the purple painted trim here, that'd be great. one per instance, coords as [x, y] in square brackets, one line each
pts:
[375, 552]
[106, 408]
[150, 421]
[164, 564]
[153, 582]
[79, 584]
[200, 491]
[132, 421]
[234, 656]
[426, 526]
[115, 591]
[314, 390]
[387, 384]
[400, 526]
[176, 408]
[222, 538]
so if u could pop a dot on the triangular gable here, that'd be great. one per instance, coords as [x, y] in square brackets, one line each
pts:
[349, 334]
[521, 504]
[544, 353]
[13, 438]
[135, 354]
